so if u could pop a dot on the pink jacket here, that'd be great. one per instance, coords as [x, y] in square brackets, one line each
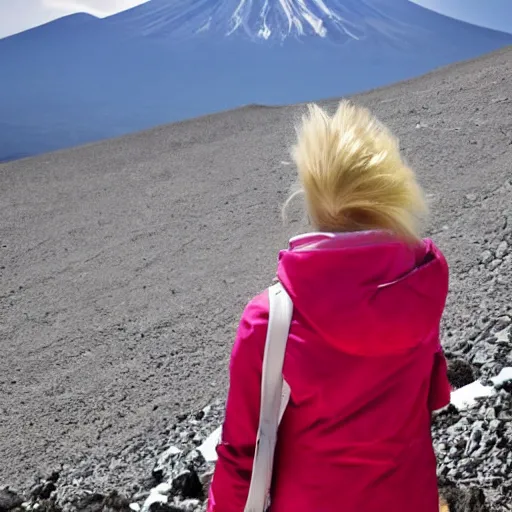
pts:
[365, 368]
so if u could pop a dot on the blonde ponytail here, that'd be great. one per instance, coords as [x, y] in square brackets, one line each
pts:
[353, 177]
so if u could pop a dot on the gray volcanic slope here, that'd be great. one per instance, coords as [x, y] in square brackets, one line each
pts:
[125, 265]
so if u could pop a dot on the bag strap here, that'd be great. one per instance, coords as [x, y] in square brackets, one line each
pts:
[275, 394]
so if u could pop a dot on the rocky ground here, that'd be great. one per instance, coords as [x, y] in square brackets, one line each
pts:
[124, 267]
[473, 447]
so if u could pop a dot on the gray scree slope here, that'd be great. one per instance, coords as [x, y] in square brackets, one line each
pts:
[125, 265]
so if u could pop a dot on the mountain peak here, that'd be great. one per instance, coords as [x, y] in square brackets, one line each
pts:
[282, 18]
[256, 19]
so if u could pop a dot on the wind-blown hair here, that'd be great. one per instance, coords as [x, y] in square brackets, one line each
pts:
[352, 174]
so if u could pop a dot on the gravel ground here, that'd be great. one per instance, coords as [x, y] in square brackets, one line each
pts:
[125, 266]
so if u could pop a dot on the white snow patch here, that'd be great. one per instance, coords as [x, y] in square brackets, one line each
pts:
[265, 31]
[154, 497]
[314, 21]
[316, 24]
[334, 16]
[163, 488]
[298, 14]
[208, 448]
[288, 10]
[236, 18]
[467, 396]
[503, 377]
[206, 26]
[324, 8]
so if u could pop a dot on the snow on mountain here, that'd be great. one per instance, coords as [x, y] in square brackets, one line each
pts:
[255, 19]
[266, 20]
[81, 78]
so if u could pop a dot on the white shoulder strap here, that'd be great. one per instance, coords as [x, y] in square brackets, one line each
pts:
[275, 394]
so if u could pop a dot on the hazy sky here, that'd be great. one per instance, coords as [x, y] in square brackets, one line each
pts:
[18, 15]
[496, 14]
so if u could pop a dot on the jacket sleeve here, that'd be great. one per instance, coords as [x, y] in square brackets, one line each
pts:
[440, 387]
[230, 484]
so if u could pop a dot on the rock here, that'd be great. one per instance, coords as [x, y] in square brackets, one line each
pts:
[153, 500]
[36, 491]
[164, 462]
[206, 477]
[502, 250]
[474, 440]
[481, 357]
[502, 322]
[464, 500]
[460, 373]
[476, 457]
[472, 446]
[190, 505]
[43, 490]
[97, 502]
[486, 257]
[503, 336]
[46, 506]
[164, 507]
[195, 458]
[187, 484]
[91, 503]
[9, 500]
[54, 477]
[116, 501]
[495, 263]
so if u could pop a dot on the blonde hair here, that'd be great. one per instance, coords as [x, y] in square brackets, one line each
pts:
[352, 174]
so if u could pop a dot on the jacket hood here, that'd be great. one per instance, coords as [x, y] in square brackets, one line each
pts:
[367, 293]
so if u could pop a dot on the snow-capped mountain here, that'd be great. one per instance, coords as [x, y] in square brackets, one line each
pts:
[256, 19]
[81, 78]
[268, 20]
